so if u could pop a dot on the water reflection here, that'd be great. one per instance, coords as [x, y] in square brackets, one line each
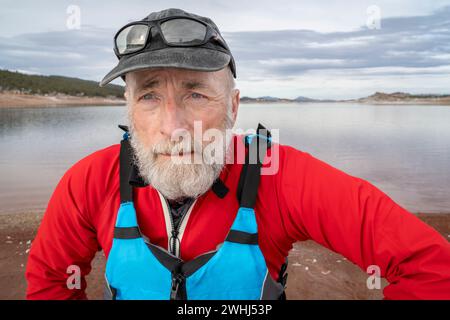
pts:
[404, 150]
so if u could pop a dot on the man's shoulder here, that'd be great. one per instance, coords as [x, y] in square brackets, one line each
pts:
[276, 148]
[286, 164]
[102, 156]
[287, 152]
[90, 180]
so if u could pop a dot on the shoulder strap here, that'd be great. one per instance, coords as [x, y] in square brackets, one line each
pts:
[282, 278]
[257, 145]
[126, 190]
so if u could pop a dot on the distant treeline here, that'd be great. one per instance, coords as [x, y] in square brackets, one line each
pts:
[35, 84]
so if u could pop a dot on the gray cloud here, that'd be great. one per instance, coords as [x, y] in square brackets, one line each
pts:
[410, 42]
[84, 53]
[405, 45]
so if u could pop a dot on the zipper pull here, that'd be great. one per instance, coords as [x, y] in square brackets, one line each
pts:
[177, 280]
[173, 242]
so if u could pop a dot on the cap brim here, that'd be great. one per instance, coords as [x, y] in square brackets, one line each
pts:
[200, 59]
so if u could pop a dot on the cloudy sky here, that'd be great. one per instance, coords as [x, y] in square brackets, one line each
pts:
[319, 49]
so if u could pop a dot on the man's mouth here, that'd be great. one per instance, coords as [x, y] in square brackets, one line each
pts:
[180, 154]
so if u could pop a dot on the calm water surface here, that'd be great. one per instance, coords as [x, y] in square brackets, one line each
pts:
[403, 150]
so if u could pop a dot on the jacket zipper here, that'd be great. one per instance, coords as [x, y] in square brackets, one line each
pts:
[175, 232]
[178, 285]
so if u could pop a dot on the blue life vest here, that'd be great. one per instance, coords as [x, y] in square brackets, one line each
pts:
[137, 269]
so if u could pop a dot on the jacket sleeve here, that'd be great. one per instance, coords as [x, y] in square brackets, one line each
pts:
[65, 242]
[354, 218]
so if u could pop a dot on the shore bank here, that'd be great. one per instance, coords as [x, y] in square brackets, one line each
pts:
[20, 100]
[314, 272]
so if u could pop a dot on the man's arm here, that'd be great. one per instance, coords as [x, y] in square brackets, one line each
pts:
[354, 218]
[65, 238]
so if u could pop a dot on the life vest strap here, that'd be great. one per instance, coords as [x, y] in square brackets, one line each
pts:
[242, 237]
[219, 188]
[126, 191]
[127, 233]
[175, 264]
[247, 190]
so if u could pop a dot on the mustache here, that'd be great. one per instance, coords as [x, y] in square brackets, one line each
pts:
[169, 147]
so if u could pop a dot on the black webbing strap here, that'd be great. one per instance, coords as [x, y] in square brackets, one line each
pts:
[282, 278]
[219, 188]
[126, 233]
[251, 170]
[237, 236]
[126, 190]
[109, 293]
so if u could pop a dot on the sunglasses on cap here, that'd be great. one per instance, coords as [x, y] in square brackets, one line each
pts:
[174, 31]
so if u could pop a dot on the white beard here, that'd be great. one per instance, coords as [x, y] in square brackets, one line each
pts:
[175, 180]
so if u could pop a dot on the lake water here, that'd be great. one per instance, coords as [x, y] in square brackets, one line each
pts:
[403, 150]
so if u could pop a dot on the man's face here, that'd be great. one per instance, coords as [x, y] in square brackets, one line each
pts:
[161, 102]
[165, 99]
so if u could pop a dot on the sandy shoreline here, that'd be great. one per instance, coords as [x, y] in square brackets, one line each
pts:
[314, 272]
[19, 100]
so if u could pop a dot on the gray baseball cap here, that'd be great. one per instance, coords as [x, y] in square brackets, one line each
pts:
[157, 52]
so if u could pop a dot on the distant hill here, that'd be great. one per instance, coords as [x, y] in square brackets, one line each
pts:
[405, 98]
[51, 85]
[17, 87]
[269, 98]
[376, 98]
[276, 99]
[303, 99]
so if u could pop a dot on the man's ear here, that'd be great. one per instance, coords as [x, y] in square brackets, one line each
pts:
[235, 98]
[125, 94]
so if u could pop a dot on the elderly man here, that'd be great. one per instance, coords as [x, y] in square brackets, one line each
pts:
[173, 228]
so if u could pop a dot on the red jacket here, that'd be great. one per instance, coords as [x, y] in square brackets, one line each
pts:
[305, 199]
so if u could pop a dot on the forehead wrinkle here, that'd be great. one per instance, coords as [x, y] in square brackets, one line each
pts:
[189, 83]
[194, 84]
[149, 83]
[186, 84]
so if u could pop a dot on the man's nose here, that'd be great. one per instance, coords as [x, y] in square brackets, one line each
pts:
[172, 117]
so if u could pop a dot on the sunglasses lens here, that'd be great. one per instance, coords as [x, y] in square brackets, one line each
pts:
[132, 38]
[183, 31]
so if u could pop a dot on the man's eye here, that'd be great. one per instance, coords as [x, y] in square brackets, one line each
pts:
[196, 95]
[148, 96]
